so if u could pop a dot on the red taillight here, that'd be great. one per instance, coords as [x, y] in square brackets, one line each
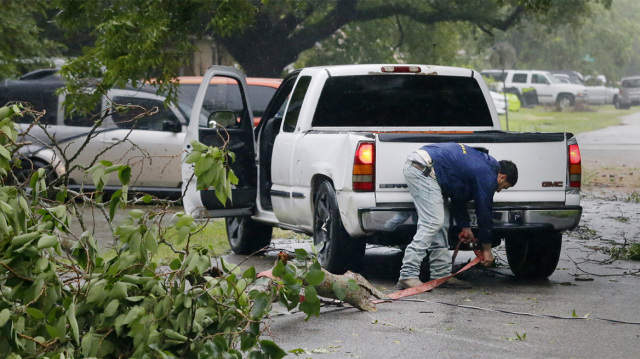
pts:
[401, 69]
[575, 166]
[363, 167]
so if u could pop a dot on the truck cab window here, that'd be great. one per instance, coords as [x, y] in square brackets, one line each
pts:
[401, 101]
[520, 78]
[539, 79]
[293, 111]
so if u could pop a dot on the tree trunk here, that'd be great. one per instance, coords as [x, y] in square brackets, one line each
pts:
[359, 297]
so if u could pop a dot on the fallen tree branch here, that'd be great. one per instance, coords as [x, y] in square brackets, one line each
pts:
[357, 295]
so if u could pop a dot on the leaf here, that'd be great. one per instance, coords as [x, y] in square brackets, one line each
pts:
[113, 203]
[73, 323]
[47, 241]
[175, 264]
[4, 316]
[260, 306]
[184, 220]
[250, 273]
[36, 313]
[339, 291]
[4, 153]
[136, 213]
[150, 242]
[118, 291]
[124, 174]
[192, 157]
[278, 269]
[301, 254]
[197, 146]
[112, 308]
[314, 277]
[232, 177]
[272, 349]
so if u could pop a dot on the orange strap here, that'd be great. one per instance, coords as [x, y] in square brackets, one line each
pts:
[413, 290]
[436, 282]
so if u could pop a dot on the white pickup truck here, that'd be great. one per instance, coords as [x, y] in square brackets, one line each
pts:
[327, 159]
[549, 89]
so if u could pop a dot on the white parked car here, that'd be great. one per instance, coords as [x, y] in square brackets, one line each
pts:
[549, 90]
[151, 145]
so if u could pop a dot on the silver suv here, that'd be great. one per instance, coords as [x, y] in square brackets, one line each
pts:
[629, 92]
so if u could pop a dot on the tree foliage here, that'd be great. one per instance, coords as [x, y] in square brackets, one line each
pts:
[150, 40]
[60, 297]
[600, 47]
[23, 46]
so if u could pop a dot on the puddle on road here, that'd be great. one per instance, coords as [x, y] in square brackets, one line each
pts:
[608, 221]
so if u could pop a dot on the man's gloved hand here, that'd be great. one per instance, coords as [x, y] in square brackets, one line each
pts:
[466, 236]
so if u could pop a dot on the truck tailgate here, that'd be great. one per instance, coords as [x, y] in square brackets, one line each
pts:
[541, 159]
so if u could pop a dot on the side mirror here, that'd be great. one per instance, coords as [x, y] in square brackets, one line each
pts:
[171, 126]
[222, 118]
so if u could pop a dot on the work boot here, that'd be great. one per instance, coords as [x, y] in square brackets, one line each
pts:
[456, 284]
[408, 283]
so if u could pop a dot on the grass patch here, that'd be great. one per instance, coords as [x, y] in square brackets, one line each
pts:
[547, 119]
[214, 234]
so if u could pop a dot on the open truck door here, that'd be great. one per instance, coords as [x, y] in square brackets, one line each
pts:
[212, 124]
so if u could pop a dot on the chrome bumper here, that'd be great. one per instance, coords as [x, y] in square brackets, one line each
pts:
[390, 219]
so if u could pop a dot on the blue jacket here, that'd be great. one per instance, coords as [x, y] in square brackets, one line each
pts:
[466, 174]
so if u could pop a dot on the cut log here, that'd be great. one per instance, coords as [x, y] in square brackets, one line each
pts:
[358, 295]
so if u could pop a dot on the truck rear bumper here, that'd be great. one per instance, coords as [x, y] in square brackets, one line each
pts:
[390, 219]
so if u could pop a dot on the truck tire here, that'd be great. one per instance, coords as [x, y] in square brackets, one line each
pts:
[564, 101]
[247, 236]
[337, 251]
[620, 106]
[616, 103]
[530, 256]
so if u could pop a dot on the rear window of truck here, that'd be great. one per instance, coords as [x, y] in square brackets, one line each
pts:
[401, 101]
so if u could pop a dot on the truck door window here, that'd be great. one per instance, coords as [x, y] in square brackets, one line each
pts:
[293, 111]
[135, 117]
[401, 101]
[519, 78]
[223, 94]
[539, 79]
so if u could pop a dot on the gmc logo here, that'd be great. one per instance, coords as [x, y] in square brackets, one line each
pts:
[552, 184]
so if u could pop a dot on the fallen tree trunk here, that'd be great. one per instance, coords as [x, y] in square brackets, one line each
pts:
[358, 294]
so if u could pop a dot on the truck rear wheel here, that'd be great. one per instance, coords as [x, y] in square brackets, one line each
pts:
[530, 256]
[564, 102]
[247, 236]
[339, 251]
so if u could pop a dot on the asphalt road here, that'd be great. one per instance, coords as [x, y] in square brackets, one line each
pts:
[587, 309]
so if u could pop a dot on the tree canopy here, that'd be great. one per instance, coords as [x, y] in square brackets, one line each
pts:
[129, 41]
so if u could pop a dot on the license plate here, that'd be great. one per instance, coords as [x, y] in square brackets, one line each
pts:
[473, 219]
